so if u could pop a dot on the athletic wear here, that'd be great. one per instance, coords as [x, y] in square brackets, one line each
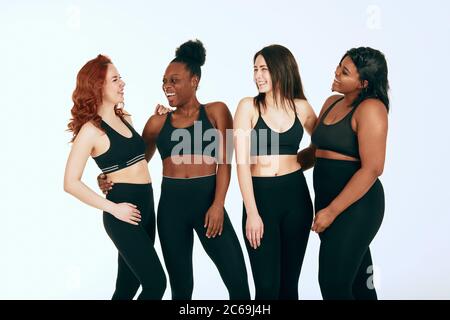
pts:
[345, 264]
[265, 141]
[123, 152]
[138, 261]
[196, 139]
[182, 209]
[338, 137]
[285, 207]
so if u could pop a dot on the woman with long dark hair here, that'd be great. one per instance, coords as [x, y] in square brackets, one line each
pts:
[103, 131]
[350, 138]
[277, 211]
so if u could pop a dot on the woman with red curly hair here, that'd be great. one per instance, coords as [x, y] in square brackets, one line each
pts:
[103, 131]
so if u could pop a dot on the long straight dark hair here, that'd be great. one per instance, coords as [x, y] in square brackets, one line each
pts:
[286, 81]
[372, 67]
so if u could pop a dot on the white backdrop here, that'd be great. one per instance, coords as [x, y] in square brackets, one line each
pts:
[55, 247]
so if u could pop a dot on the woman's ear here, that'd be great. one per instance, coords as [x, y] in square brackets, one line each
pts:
[194, 82]
[364, 84]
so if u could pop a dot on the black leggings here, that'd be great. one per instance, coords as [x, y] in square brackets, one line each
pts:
[285, 207]
[182, 208]
[138, 262]
[345, 263]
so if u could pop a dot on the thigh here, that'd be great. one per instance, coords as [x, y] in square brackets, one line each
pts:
[176, 238]
[225, 249]
[135, 247]
[265, 260]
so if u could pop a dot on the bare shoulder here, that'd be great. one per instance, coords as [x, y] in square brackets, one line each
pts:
[247, 102]
[247, 106]
[90, 130]
[301, 105]
[88, 134]
[371, 108]
[218, 108]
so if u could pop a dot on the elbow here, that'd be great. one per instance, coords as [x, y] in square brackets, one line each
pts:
[68, 187]
[376, 172]
[379, 172]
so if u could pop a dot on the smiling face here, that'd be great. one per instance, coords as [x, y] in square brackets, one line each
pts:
[261, 75]
[347, 77]
[113, 88]
[179, 85]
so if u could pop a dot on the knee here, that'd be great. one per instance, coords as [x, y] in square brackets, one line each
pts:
[154, 289]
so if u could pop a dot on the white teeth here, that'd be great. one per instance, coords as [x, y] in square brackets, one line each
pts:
[170, 94]
[336, 80]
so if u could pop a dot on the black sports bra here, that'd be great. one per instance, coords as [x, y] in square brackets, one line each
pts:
[263, 139]
[338, 137]
[123, 152]
[196, 139]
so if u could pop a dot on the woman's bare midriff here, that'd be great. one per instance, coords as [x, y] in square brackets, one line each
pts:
[137, 173]
[189, 166]
[273, 165]
[327, 154]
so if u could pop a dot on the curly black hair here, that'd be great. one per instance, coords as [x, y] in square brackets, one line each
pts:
[192, 53]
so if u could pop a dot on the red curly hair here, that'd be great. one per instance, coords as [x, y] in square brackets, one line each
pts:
[88, 93]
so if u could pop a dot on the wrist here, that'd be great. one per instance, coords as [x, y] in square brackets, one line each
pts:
[333, 211]
[111, 207]
[252, 214]
[218, 203]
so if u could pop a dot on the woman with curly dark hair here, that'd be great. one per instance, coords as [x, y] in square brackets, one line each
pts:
[350, 138]
[103, 131]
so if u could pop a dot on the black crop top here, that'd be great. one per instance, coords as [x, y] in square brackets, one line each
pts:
[201, 138]
[338, 137]
[288, 141]
[123, 152]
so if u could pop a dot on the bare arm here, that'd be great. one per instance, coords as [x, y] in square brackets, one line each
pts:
[242, 137]
[151, 132]
[221, 116]
[308, 118]
[224, 121]
[306, 115]
[79, 154]
[372, 127]
[242, 127]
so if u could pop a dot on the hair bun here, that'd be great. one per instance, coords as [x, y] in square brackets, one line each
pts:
[192, 50]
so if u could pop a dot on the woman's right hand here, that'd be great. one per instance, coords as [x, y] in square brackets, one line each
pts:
[127, 212]
[161, 109]
[103, 183]
[254, 230]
